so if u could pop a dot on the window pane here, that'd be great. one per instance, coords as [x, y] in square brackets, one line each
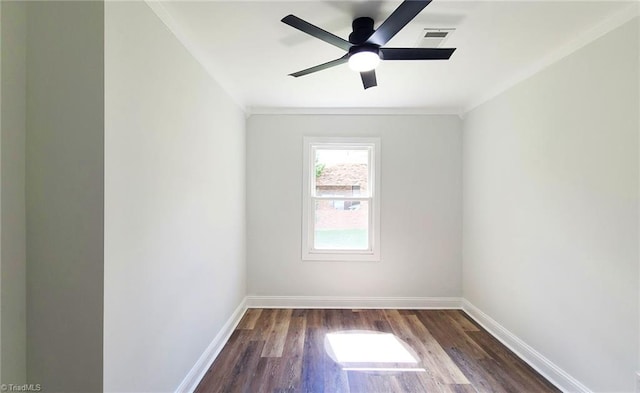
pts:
[341, 225]
[342, 172]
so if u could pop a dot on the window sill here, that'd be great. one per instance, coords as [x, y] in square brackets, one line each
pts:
[341, 257]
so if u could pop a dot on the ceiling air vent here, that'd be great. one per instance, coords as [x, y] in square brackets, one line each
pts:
[433, 38]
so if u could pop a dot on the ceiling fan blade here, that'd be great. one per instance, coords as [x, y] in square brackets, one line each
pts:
[369, 79]
[416, 53]
[317, 32]
[322, 66]
[397, 20]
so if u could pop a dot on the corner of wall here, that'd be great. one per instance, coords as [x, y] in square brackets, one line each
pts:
[212, 69]
[65, 194]
[612, 22]
[200, 368]
[638, 127]
[1, 55]
[12, 212]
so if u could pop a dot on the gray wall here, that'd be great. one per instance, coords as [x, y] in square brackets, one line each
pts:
[146, 179]
[64, 194]
[174, 204]
[551, 211]
[420, 208]
[12, 200]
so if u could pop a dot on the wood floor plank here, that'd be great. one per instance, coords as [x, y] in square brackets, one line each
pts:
[250, 318]
[509, 381]
[338, 320]
[458, 389]
[315, 318]
[448, 334]
[264, 324]
[283, 351]
[382, 326]
[480, 377]
[225, 361]
[442, 368]
[299, 313]
[313, 360]
[335, 379]
[350, 320]
[462, 321]
[375, 319]
[263, 373]
[291, 369]
[416, 382]
[365, 382]
[508, 360]
[243, 372]
[267, 377]
[274, 343]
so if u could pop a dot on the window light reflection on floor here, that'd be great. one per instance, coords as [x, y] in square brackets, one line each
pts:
[368, 347]
[371, 351]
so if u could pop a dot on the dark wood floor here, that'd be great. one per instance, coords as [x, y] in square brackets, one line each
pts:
[284, 350]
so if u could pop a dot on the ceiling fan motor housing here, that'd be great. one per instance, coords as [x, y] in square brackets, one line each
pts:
[364, 48]
[362, 30]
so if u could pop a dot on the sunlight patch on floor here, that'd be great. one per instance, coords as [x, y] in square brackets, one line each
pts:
[371, 351]
[368, 347]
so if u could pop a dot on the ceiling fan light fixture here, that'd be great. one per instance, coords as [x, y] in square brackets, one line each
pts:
[364, 60]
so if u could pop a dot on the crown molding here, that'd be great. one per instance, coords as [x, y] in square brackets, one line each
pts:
[214, 71]
[352, 111]
[616, 20]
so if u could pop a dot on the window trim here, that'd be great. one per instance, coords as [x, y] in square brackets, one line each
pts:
[308, 214]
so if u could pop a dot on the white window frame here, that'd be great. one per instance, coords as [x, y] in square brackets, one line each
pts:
[372, 145]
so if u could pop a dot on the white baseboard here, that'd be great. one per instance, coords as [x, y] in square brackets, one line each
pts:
[353, 302]
[544, 366]
[197, 372]
[535, 359]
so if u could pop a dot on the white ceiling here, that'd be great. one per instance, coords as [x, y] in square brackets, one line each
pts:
[250, 52]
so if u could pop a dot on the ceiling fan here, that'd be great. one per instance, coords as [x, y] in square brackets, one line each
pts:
[365, 45]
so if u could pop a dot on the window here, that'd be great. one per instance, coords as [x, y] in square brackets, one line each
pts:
[341, 205]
